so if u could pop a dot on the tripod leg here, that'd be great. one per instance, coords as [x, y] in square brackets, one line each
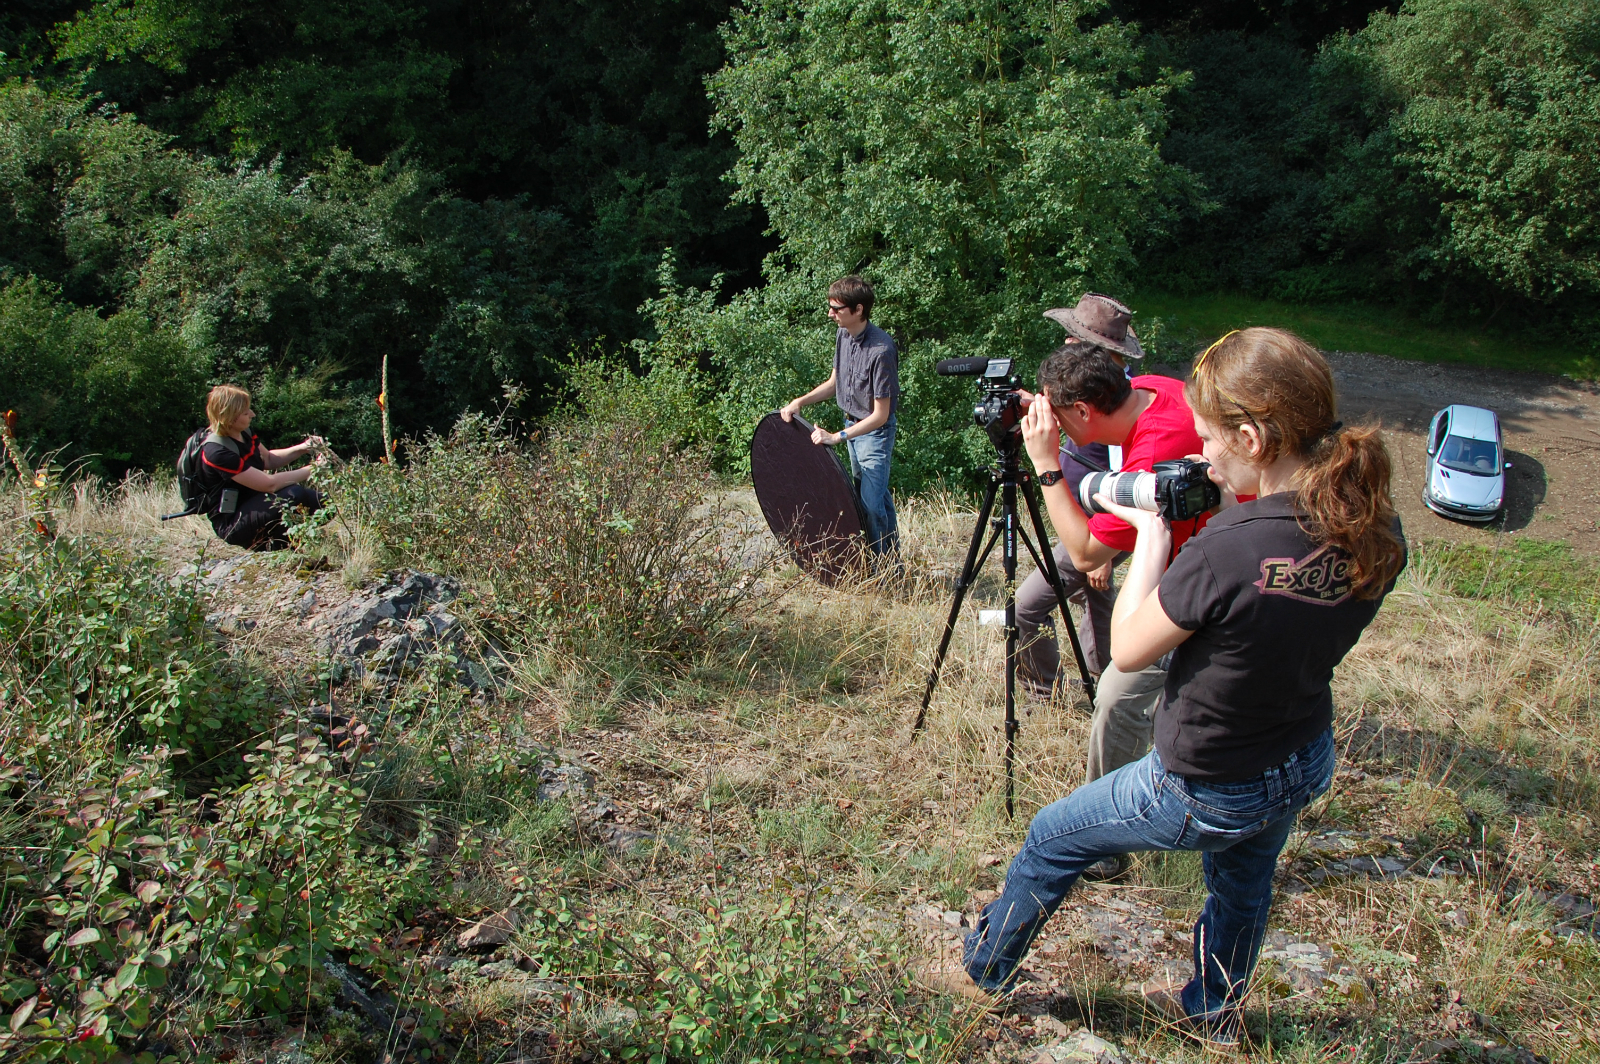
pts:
[1046, 559]
[1008, 558]
[969, 570]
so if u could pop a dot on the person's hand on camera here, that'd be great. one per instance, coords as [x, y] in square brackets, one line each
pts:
[790, 409]
[1147, 523]
[1042, 436]
[1100, 579]
[1228, 496]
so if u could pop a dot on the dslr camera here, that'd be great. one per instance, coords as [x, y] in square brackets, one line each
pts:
[1178, 490]
[999, 408]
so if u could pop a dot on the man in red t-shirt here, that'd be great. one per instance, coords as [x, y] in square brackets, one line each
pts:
[1093, 401]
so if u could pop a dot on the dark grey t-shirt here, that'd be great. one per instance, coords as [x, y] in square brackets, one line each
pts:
[1272, 613]
[867, 367]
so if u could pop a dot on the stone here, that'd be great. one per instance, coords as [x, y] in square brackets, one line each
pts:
[625, 841]
[355, 648]
[399, 654]
[441, 625]
[494, 931]
[1572, 906]
[1081, 1047]
[531, 991]
[951, 919]
[615, 1015]
[306, 603]
[562, 781]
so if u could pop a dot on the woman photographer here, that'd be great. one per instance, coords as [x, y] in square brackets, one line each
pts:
[1256, 611]
[246, 498]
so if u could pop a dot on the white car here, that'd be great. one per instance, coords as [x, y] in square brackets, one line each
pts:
[1466, 464]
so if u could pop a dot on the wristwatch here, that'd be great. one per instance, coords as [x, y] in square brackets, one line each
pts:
[1051, 477]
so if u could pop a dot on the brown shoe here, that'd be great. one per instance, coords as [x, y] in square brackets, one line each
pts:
[1165, 998]
[947, 975]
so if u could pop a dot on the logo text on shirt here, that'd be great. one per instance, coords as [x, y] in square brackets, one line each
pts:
[1321, 577]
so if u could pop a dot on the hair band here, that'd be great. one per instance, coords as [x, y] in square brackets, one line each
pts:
[1214, 345]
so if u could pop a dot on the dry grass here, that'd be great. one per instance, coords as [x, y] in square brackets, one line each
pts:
[781, 759]
[793, 743]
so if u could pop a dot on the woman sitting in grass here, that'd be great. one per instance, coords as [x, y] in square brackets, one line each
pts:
[1256, 611]
[244, 499]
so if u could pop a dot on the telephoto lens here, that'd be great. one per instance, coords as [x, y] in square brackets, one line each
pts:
[1179, 490]
[1137, 490]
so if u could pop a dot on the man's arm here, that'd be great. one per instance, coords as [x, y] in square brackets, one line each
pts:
[822, 391]
[1043, 438]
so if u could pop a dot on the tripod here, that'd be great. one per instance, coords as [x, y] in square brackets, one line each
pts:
[1005, 478]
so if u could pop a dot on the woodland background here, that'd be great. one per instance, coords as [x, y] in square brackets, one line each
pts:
[642, 201]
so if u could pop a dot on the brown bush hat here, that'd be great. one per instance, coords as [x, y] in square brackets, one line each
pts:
[1102, 321]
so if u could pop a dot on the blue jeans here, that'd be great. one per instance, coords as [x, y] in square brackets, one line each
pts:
[869, 467]
[1240, 827]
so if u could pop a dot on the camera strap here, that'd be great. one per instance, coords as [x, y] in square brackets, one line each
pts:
[1096, 466]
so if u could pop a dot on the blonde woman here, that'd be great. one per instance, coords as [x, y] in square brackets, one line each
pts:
[245, 498]
[1256, 610]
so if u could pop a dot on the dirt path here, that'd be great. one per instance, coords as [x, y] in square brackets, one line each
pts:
[1552, 436]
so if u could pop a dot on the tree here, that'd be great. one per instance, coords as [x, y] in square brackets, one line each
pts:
[1499, 115]
[980, 162]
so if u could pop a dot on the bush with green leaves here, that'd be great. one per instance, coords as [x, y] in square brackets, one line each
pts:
[122, 255]
[978, 163]
[106, 653]
[774, 981]
[138, 915]
[593, 533]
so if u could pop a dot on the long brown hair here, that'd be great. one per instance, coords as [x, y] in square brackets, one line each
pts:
[1277, 382]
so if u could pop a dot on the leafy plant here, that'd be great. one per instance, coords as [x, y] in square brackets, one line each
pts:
[595, 533]
[109, 652]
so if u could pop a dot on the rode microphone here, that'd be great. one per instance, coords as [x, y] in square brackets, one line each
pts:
[973, 367]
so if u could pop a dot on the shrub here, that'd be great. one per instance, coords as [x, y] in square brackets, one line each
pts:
[596, 532]
[107, 652]
[142, 915]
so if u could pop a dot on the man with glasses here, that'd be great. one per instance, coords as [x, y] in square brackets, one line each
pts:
[866, 382]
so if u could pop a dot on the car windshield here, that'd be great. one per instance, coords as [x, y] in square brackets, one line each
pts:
[1479, 457]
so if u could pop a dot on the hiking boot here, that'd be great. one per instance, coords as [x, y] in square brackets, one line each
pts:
[1107, 869]
[1165, 998]
[947, 975]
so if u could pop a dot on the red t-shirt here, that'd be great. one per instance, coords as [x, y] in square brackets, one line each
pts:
[1163, 432]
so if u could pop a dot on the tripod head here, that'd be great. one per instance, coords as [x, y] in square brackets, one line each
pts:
[999, 408]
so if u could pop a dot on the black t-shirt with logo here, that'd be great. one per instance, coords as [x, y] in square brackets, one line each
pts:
[220, 463]
[1272, 612]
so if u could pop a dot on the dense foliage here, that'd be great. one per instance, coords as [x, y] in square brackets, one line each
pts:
[596, 535]
[166, 870]
[281, 194]
[1445, 153]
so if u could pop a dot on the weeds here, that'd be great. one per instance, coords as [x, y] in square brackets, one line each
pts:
[595, 536]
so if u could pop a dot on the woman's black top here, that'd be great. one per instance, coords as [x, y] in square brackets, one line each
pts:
[1272, 612]
[221, 463]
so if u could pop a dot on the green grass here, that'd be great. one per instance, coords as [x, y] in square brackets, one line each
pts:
[1520, 570]
[1351, 327]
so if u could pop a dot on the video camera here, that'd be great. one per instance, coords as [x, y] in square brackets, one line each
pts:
[999, 408]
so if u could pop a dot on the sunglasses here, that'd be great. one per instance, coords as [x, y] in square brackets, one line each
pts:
[836, 308]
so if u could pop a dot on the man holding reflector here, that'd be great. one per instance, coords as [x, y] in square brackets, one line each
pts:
[866, 382]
